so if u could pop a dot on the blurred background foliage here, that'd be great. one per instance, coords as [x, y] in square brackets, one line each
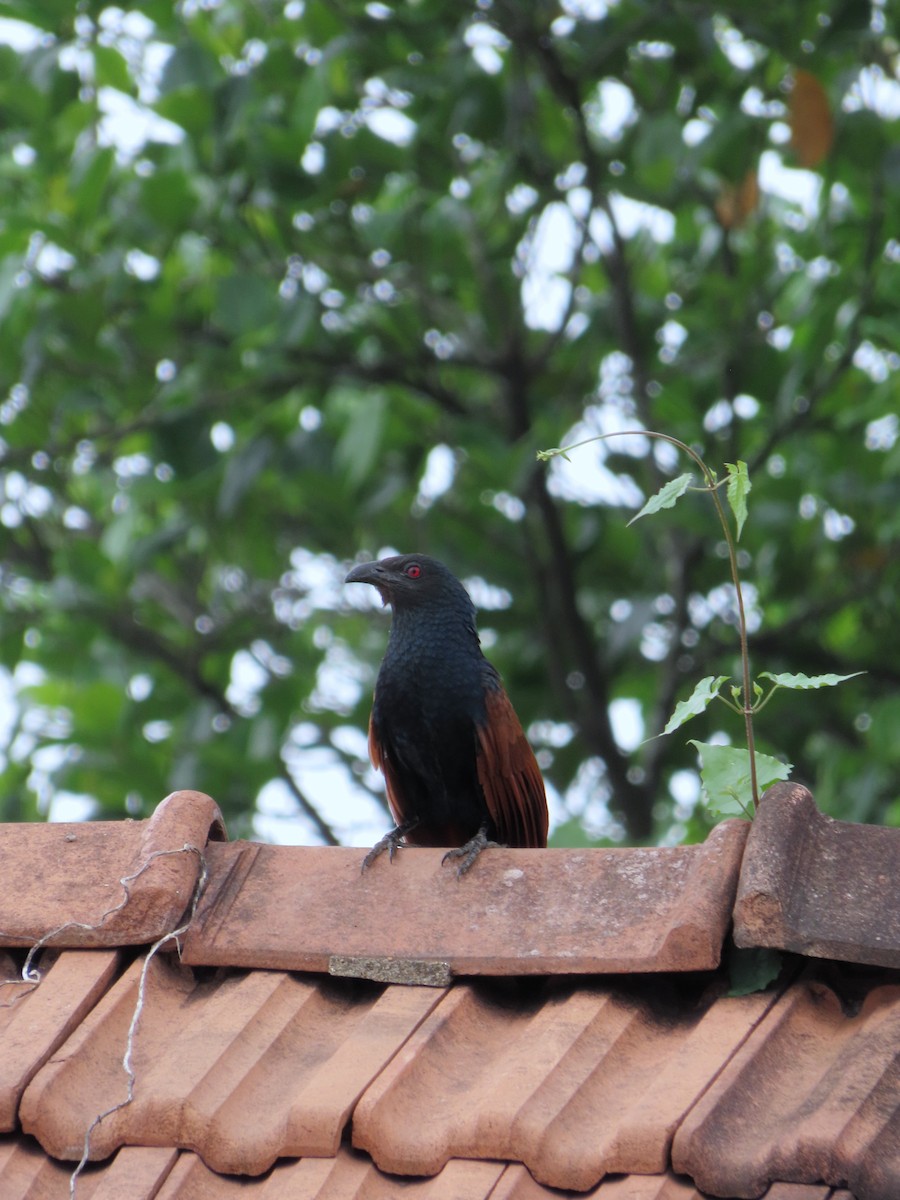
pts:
[282, 284]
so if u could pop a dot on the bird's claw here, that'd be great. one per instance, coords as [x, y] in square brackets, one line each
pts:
[390, 842]
[470, 851]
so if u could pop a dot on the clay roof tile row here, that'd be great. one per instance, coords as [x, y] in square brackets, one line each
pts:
[556, 1020]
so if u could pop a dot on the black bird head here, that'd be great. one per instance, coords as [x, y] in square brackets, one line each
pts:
[413, 581]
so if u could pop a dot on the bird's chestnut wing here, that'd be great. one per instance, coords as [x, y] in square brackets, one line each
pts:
[382, 762]
[508, 773]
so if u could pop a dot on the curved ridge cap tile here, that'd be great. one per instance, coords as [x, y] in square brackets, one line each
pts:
[104, 883]
[818, 886]
[782, 824]
[700, 920]
[166, 867]
[192, 814]
[159, 884]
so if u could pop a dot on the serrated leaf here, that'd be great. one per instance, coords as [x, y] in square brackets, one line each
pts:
[738, 490]
[805, 682]
[725, 777]
[703, 694]
[666, 497]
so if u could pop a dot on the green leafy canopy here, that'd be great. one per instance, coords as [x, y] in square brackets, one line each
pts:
[285, 284]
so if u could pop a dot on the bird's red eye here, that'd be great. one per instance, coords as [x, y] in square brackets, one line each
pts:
[413, 571]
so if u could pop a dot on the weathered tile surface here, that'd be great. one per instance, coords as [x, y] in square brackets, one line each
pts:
[103, 883]
[818, 886]
[36, 1017]
[254, 1082]
[813, 1096]
[26, 1173]
[342, 1177]
[518, 912]
[244, 1069]
[582, 1083]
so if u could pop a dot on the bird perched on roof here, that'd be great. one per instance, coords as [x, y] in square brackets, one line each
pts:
[458, 768]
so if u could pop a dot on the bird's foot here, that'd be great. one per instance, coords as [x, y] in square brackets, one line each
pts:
[390, 842]
[470, 851]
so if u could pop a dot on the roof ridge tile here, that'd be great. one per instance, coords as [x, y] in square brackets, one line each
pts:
[821, 887]
[519, 912]
[104, 883]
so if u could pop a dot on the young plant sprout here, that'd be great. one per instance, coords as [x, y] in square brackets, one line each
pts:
[731, 777]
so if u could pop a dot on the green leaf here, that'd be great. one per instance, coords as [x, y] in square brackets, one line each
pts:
[357, 451]
[241, 473]
[312, 95]
[111, 70]
[738, 490]
[665, 497]
[244, 303]
[9, 289]
[752, 969]
[91, 181]
[725, 777]
[701, 697]
[802, 683]
[191, 66]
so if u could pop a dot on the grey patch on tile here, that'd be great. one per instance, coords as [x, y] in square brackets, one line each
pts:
[417, 972]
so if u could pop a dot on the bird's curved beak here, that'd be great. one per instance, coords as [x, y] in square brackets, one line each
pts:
[367, 572]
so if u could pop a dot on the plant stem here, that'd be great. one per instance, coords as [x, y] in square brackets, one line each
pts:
[742, 632]
[712, 485]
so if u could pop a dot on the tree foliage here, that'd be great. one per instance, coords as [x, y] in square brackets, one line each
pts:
[284, 283]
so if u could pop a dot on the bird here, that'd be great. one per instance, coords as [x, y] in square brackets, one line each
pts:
[458, 768]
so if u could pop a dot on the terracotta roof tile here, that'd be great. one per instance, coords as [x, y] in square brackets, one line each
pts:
[141, 1173]
[26, 1173]
[518, 912]
[805, 1191]
[812, 1096]
[585, 1082]
[646, 1187]
[104, 883]
[135, 1172]
[821, 887]
[516, 1184]
[35, 1018]
[244, 1069]
[261, 1082]
[349, 1175]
